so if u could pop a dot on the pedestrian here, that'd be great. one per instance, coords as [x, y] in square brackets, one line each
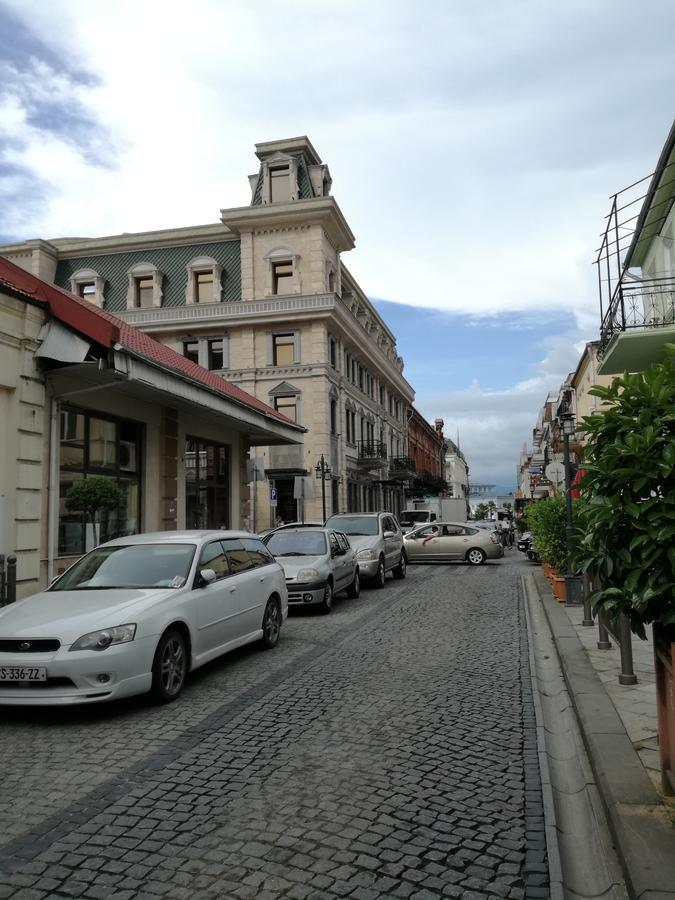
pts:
[504, 532]
[512, 533]
[278, 522]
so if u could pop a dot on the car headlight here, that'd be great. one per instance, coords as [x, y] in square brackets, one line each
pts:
[307, 575]
[106, 637]
[366, 554]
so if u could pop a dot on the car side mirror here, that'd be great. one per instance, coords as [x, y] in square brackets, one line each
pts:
[390, 534]
[207, 576]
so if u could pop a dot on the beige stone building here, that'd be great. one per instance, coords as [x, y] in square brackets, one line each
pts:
[84, 395]
[264, 298]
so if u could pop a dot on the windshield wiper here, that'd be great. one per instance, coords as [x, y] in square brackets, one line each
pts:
[295, 553]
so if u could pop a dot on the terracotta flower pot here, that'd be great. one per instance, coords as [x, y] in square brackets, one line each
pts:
[547, 570]
[664, 666]
[559, 588]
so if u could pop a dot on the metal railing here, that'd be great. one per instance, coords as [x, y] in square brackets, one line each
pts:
[402, 465]
[372, 450]
[7, 580]
[644, 304]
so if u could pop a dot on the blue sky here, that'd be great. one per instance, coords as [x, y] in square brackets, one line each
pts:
[473, 147]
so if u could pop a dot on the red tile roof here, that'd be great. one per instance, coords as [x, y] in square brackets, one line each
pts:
[105, 329]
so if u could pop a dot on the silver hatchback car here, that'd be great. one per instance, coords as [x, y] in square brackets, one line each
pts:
[318, 563]
[452, 541]
[378, 542]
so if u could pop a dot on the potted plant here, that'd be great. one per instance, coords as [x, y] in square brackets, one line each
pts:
[546, 520]
[628, 523]
[92, 496]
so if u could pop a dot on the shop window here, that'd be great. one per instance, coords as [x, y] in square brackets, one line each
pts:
[94, 445]
[207, 484]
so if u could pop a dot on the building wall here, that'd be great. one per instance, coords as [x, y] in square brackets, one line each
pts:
[24, 425]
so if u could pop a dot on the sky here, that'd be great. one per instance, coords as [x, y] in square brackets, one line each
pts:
[473, 148]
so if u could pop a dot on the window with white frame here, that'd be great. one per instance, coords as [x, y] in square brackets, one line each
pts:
[144, 287]
[203, 281]
[283, 348]
[89, 285]
[209, 352]
[285, 398]
[283, 273]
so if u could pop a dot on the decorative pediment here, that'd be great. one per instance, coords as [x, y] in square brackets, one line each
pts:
[284, 389]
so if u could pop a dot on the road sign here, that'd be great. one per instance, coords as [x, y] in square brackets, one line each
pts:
[555, 472]
[273, 496]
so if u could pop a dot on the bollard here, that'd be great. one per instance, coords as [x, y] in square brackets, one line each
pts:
[2, 580]
[588, 612]
[627, 674]
[11, 579]
[603, 633]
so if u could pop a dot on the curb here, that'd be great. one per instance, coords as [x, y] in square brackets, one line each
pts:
[641, 827]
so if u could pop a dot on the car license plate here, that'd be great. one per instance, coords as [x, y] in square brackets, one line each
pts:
[22, 673]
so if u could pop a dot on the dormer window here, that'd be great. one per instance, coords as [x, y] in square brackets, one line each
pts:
[89, 285]
[203, 281]
[144, 287]
[280, 191]
[204, 287]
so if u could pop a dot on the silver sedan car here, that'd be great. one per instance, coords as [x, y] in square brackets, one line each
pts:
[452, 542]
[318, 563]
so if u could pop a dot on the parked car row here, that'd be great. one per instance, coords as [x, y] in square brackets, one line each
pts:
[140, 612]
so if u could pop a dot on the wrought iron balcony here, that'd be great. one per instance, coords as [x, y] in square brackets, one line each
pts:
[372, 453]
[644, 304]
[402, 467]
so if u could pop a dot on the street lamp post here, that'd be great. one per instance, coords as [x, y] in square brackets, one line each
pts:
[572, 581]
[323, 471]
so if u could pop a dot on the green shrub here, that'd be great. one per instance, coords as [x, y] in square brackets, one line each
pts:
[546, 521]
[628, 524]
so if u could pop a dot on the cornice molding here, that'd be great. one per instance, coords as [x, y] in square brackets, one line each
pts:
[322, 211]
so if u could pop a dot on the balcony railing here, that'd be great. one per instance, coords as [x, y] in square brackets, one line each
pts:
[402, 467]
[372, 453]
[644, 304]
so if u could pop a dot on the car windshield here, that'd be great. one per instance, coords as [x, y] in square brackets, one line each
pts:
[129, 566]
[355, 525]
[297, 543]
[409, 518]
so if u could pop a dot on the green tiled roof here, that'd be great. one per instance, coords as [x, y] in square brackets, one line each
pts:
[171, 261]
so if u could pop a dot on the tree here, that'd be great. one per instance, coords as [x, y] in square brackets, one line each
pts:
[627, 526]
[92, 496]
[481, 511]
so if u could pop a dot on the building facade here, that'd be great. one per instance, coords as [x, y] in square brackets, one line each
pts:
[263, 298]
[426, 449]
[84, 395]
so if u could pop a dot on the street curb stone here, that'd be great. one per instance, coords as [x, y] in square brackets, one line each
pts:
[639, 822]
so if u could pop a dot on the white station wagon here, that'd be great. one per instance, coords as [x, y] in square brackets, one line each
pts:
[137, 614]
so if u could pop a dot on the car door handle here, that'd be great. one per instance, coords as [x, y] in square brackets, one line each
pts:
[232, 590]
[262, 579]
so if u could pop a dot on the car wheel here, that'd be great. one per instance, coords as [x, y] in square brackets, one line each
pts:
[327, 602]
[354, 588]
[379, 578]
[401, 568]
[169, 667]
[271, 625]
[475, 556]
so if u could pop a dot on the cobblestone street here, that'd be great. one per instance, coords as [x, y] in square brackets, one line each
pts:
[386, 750]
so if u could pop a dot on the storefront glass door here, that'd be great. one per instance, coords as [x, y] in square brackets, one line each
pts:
[207, 484]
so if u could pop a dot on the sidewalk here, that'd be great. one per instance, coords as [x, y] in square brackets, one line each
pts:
[616, 724]
[635, 704]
